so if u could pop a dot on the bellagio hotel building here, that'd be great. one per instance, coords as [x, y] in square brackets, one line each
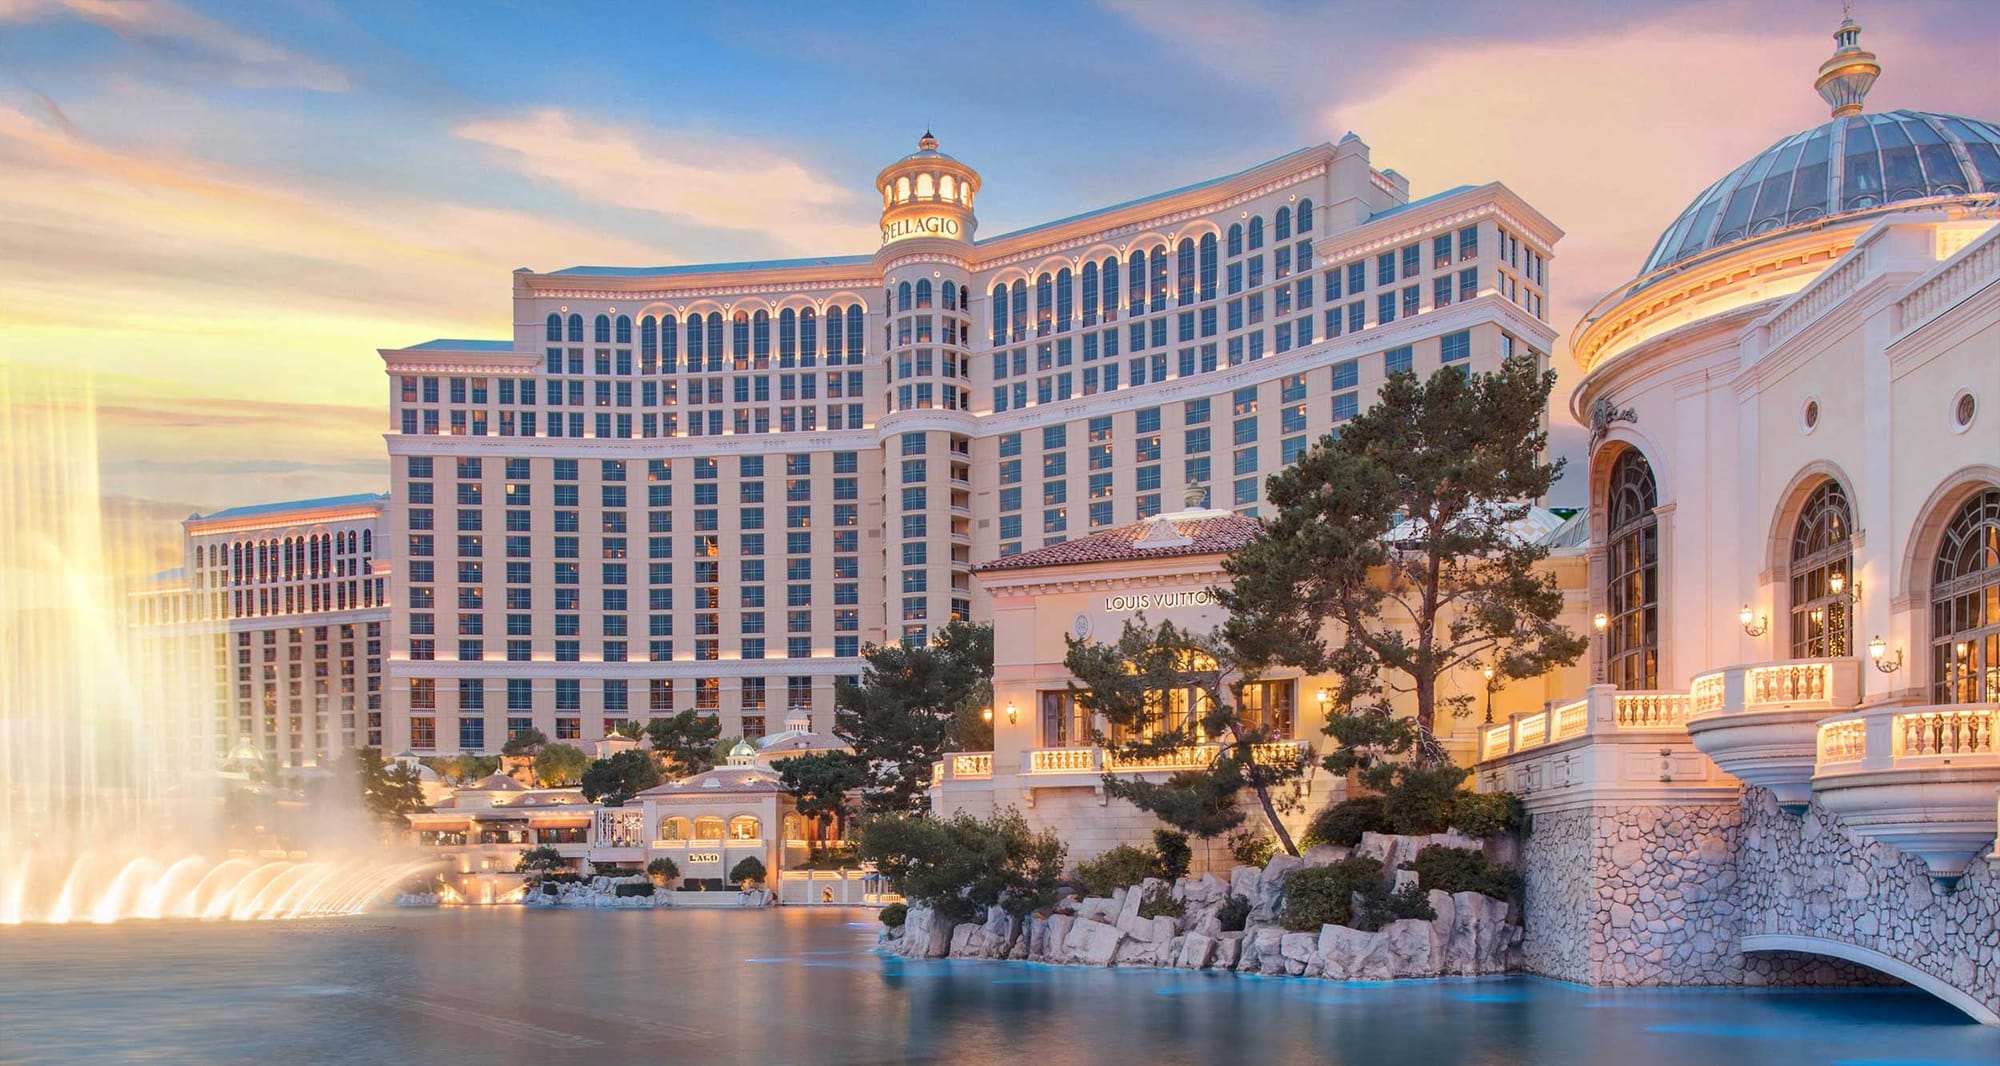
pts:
[709, 486]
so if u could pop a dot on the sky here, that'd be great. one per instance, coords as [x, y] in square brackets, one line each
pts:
[219, 212]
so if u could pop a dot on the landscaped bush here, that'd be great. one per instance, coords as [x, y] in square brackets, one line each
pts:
[1485, 814]
[662, 870]
[1379, 908]
[1324, 895]
[1171, 846]
[1422, 799]
[1161, 902]
[560, 877]
[961, 865]
[642, 888]
[894, 915]
[1126, 864]
[1343, 823]
[1234, 914]
[1252, 848]
[1464, 870]
[749, 871]
[539, 860]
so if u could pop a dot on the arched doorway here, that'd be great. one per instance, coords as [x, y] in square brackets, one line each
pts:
[1632, 574]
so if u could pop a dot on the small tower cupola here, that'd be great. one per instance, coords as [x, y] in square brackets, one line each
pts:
[927, 194]
[1845, 78]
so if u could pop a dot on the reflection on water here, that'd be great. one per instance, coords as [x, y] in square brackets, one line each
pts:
[507, 985]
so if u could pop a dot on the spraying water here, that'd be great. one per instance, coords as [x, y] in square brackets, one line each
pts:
[110, 801]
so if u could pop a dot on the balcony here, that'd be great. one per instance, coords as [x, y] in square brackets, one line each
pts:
[1760, 722]
[1603, 710]
[1920, 779]
[1610, 746]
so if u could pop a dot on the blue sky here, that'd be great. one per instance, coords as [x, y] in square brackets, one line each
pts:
[222, 210]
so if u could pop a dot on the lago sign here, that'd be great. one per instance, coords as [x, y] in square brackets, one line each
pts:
[1151, 601]
[919, 226]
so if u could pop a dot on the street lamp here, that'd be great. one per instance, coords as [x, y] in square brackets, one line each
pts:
[1600, 621]
[1488, 671]
[986, 714]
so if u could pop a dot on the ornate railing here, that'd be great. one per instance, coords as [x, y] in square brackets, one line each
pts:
[1572, 719]
[1192, 757]
[1793, 682]
[1953, 281]
[975, 765]
[1816, 298]
[1945, 731]
[1706, 694]
[1787, 684]
[1531, 730]
[1844, 741]
[1651, 710]
[1062, 760]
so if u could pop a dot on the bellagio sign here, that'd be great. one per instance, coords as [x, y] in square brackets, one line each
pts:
[919, 226]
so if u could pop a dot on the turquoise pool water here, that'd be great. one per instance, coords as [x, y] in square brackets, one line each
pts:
[505, 986]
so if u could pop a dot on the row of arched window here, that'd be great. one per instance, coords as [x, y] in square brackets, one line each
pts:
[289, 558]
[1281, 228]
[745, 338]
[918, 296]
[1964, 652]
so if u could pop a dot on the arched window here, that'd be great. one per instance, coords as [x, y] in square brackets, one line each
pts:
[746, 827]
[795, 827]
[367, 542]
[788, 337]
[675, 828]
[836, 318]
[999, 301]
[739, 339]
[1158, 271]
[670, 343]
[1018, 320]
[903, 297]
[624, 333]
[902, 189]
[1235, 239]
[950, 293]
[1632, 566]
[855, 324]
[923, 294]
[1135, 283]
[760, 339]
[1305, 217]
[576, 329]
[1281, 226]
[1965, 605]
[1823, 558]
[1256, 233]
[1109, 275]
[808, 337]
[1208, 267]
[926, 187]
[948, 187]
[1065, 299]
[555, 327]
[715, 340]
[1184, 272]
[708, 827]
[1045, 299]
[649, 346]
[601, 329]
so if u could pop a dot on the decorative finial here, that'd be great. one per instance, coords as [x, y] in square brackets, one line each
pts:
[927, 142]
[1845, 78]
[1195, 496]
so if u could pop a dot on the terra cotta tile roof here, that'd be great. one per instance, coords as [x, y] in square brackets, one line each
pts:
[1191, 533]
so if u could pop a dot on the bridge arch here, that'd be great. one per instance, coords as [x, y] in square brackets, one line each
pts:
[1874, 960]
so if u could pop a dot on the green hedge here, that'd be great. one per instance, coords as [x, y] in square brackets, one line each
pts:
[1324, 895]
[1464, 870]
[894, 915]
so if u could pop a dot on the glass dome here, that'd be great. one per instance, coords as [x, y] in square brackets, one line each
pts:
[1848, 166]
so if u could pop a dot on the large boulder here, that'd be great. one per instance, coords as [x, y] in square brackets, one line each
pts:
[1228, 949]
[1325, 854]
[1091, 943]
[1341, 950]
[1049, 943]
[1263, 952]
[1268, 898]
[1298, 950]
[1207, 888]
[1480, 940]
[1099, 909]
[1409, 949]
[1243, 881]
[1195, 951]
[925, 936]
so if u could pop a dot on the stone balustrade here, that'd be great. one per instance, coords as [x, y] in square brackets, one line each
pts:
[1919, 778]
[972, 766]
[1095, 760]
[1602, 710]
[1760, 721]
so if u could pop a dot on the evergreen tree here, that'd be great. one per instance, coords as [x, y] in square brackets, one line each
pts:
[1164, 690]
[1390, 561]
[685, 742]
[388, 790]
[614, 780]
[902, 715]
[819, 784]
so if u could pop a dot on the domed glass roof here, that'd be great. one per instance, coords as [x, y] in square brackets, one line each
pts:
[1851, 165]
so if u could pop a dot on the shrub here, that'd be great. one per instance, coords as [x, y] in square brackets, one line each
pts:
[749, 871]
[1485, 814]
[1126, 864]
[1171, 845]
[1343, 823]
[961, 865]
[1161, 902]
[539, 860]
[1234, 914]
[1252, 848]
[642, 888]
[1464, 870]
[1324, 895]
[1379, 908]
[1422, 799]
[894, 915]
[662, 870]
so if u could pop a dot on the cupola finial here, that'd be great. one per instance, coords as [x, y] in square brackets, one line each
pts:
[1845, 78]
[927, 143]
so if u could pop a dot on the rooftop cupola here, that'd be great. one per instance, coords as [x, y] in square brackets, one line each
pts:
[927, 194]
[1845, 78]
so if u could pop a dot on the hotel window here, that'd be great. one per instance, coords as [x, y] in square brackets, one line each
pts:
[1822, 558]
[1468, 243]
[1412, 299]
[1412, 255]
[1268, 707]
[1632, 598]
[1965, 605]
[1256, 233]
[1385, 308]
[1397, 360]
[1468, 283]
[1455, 347]
[1441, 291]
